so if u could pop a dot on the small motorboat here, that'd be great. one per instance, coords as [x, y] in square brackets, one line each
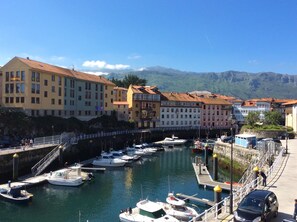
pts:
[200, 146]
[177, 208]
[64, 177]
[16, 194]
[121, 155]
[172, 141]
[108, 160]
[146, 211]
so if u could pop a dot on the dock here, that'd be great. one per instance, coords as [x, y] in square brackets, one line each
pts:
[205, 179]
[193, 198]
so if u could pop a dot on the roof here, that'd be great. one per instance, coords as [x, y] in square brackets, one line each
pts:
[144, 89]
[44, 67]
[293, 102]
[148, 206]
[184, 97]
[259, 194]
[120, 103]
[215, 101]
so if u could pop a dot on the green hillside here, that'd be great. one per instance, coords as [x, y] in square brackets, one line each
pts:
[239, 84]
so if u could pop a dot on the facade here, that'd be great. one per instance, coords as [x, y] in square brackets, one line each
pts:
[291, 114]
[215, 113]
[122, 110]
[179, 110]
[120, 93]
[1, 78]
[41, 89]
[144, 105]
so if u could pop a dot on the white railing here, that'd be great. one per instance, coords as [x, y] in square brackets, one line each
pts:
[222, 207]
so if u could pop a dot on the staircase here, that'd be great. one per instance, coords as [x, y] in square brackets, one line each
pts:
[48, 159]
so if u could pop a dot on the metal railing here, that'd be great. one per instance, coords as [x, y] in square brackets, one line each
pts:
[223, 206]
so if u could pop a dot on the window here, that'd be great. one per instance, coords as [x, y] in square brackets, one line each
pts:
[59, 80]
[7, 76]
[79, 88]
[11, 99]
[33, 100]
[45, 82]
[53, 89]
[45, 93]
[53, 78]
[6, 88]
[11, 75]
[60, 102]
[11, 88]
[60, 91]
[33, 88]
[37, 77]
[33, 77]
[22, 75]
[17, 99]
[53, 101]
[37, 100]
[22, 99]
[18, 88]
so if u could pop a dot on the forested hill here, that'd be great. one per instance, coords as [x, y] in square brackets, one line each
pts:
[242, 85]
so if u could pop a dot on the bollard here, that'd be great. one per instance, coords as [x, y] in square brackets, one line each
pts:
[199, 168]
[218, 197]
[15, 166]
[256, 174]
[61, 156]
[215, 167]
[206, 155]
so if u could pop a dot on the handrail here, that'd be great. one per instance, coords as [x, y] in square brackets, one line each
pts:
[238, 195]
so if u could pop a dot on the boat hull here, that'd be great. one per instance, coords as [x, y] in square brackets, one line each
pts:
[65, 183]
[109, 164]
[20, 200]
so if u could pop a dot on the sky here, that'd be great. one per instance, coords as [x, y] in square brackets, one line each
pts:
[100, 36]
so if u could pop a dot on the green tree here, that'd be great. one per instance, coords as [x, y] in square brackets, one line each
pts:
[134, 80]
[273, 118]
[252, 118]
[117, 82]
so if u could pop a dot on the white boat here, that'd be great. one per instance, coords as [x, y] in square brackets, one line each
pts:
[108, 160]
[121, 155]
[146, 211]
[16, 194]
[64, 177]
[146, 150]
[77, 171]
[178, 209]
[172, 141]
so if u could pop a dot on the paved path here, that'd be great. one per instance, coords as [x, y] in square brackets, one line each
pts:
[284, 184]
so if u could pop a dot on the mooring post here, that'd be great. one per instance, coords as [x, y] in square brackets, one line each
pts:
[256, 175]
[206, 154]
[61, 156]
[215, 167]
[15, 166]
[218, 197]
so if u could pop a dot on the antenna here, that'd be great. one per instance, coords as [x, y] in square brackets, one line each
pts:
[72, 67]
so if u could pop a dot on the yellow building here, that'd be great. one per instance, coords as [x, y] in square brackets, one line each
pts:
[291, 114]
[144, 106]
[120, 93]
[42, 89]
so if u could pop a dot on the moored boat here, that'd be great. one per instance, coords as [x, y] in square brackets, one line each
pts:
[177, 208]
[16, 194]
[108, 160]
[146, 211]
[63, 177]
[172, 141]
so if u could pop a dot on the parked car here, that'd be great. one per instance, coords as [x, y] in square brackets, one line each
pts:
[258, 205]
[228, 139]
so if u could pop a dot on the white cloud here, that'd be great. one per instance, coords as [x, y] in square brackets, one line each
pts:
[141, 69]
[97, 73]
[57, 58]
[103, 65]
[253, 62]
[134, 57]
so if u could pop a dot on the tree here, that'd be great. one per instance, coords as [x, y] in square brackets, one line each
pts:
[117, 82]
[252, 118]
[273, 118]
[134, 80]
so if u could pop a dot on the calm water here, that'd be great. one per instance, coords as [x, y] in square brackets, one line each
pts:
[104, 197]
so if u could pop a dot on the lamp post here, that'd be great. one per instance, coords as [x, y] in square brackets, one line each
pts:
[232, 121]
[286, 140]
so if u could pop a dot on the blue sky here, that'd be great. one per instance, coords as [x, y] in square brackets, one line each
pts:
[189, 35]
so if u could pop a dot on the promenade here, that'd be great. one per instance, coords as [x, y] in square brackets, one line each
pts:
[284, 183]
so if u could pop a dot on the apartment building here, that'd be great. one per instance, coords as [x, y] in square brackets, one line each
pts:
[291, 114]
[179, 110]
[122, 110]
[42, 89]
[144, 105]
[120, 93]
[215, 112]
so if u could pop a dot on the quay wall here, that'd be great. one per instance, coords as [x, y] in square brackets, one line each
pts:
[86, 149]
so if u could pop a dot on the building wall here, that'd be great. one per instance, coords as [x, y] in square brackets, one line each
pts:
[291, 117]
[215, 116]
[108, 99]
[122, 111]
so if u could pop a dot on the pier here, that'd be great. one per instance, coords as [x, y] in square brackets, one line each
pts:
[205, 179]
[193, 198]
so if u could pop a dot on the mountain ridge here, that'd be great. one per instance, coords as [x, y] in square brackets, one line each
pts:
[241, 84]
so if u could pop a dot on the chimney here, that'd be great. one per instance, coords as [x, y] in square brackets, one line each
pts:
[28, 58]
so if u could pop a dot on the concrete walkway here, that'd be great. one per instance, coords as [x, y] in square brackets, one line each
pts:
[284, 183]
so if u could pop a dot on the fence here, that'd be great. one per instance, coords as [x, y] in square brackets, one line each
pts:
[222, 207]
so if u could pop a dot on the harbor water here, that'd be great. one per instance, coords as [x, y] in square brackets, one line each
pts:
[108, 193]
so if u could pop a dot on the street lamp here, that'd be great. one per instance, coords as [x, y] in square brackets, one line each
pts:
[286, 140]
[232, 121]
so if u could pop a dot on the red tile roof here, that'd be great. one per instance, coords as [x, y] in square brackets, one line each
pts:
[44, 67]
